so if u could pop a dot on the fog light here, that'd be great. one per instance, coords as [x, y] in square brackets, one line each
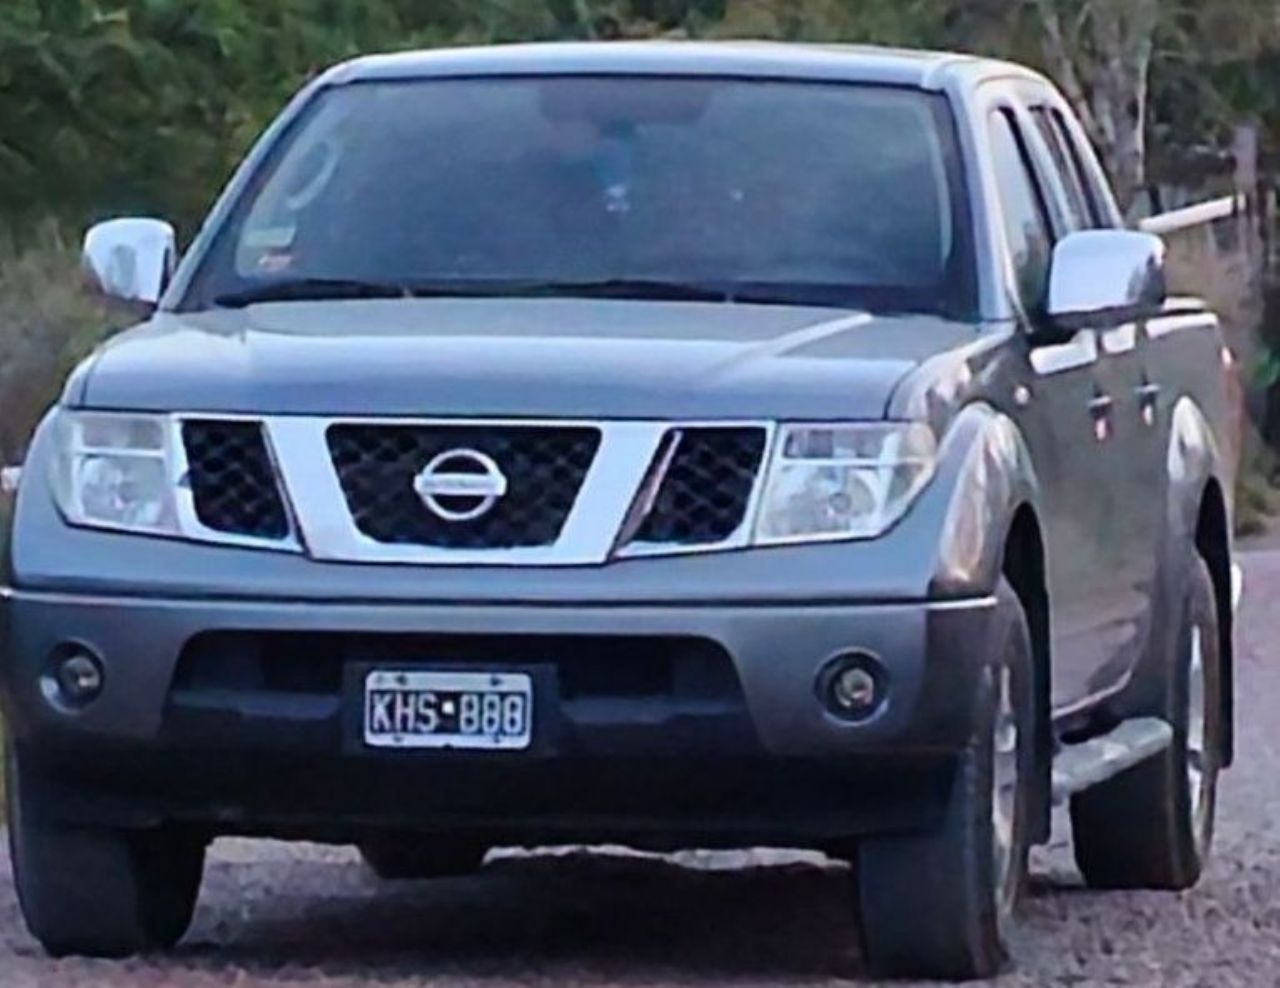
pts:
[854, 687]
[854, 690]
[79, 678]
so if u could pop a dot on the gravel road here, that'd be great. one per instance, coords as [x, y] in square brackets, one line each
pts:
[292, 915]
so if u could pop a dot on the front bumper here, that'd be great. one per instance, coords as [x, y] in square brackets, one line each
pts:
[703, 720]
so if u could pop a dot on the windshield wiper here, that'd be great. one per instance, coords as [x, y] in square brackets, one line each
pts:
[311, 289]
[625, 288]
[320, 289]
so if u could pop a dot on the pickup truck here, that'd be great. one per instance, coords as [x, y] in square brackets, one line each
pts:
[672, 444]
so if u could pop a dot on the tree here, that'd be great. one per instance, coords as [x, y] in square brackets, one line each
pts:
[1204, 57]
[110, 106]
[1216, 65]
[893, 22]
[1100, 53]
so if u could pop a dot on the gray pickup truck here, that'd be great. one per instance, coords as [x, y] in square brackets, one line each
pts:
[671, 444]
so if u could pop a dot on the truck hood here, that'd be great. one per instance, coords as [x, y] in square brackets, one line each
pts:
[520, 358]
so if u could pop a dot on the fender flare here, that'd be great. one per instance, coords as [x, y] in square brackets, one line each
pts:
[987, 467]
[1197, 470]
[993, 486]
[1192, 460]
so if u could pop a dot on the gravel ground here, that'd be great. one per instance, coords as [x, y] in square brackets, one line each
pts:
[292, 915]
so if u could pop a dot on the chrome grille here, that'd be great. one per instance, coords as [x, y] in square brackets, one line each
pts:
[702, 497]
[233, 482]
[572, 493]
[544, 467]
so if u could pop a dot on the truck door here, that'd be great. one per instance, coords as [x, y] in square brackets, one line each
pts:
[1135, 455]
[1071, 418]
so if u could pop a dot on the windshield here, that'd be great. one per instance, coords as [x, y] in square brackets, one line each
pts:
[715, 189]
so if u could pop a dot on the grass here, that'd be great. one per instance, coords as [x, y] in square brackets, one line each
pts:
[1257, 503]
[48, 322]
[1257, 494]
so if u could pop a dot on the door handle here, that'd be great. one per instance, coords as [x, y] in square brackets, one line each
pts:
[1100, 412]
[1148, 402]
[1101, 405]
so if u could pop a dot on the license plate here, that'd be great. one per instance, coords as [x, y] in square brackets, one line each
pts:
[472, 710]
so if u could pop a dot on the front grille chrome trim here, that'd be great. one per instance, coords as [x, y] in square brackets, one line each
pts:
[675, 472]
[322, 527]
[740, 538]
[627, 449]
[189, 524]
[541, 470]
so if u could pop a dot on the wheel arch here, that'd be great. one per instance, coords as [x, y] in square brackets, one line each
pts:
[1023, 566]
[1199, 524]
[1213, 544]
[987, 469]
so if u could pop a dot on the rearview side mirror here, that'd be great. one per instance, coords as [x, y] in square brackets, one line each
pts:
[131, 259]
[1105, 276]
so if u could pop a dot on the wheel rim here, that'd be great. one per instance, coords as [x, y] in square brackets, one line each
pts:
[1198, 775]
[1004, 797]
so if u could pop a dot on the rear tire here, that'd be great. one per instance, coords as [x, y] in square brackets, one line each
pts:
[97, 892]
[942, 904]
[1152, 826]
[404, 859]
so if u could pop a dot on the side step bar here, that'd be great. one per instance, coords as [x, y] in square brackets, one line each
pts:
[1080, 766]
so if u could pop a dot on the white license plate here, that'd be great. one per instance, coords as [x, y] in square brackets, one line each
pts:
[474, 710]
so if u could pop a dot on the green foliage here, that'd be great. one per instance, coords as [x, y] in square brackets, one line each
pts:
[919, 23]
[1257, 494]
[47, 322]
[118, 106]
[1217, 64]
[146, 105]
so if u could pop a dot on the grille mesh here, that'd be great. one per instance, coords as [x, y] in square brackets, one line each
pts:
[544, 467]
[232, 479]
[703, 498]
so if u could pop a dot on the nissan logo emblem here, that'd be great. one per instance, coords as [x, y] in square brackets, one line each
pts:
[460, 485]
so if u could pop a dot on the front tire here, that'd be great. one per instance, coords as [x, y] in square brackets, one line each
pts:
[1152, 827]
[96, 892]
[942, 904]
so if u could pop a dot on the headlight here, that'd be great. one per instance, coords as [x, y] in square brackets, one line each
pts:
[831, 482]
[115, 471]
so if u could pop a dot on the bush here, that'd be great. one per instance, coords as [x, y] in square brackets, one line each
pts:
[1257, 496]
[48, 321]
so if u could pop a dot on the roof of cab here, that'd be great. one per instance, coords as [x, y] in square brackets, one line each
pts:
[752, 59]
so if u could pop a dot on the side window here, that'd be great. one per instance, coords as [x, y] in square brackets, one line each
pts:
[1026, 221]
[1078, 208]
[1089, 178]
